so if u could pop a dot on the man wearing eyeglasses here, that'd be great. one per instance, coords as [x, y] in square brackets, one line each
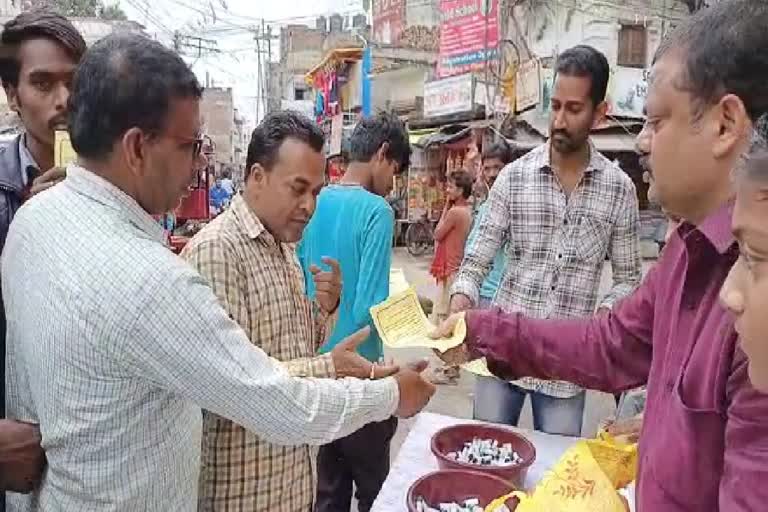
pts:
[114, 343]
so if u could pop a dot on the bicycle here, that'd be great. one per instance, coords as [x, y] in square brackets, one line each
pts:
[420, 236]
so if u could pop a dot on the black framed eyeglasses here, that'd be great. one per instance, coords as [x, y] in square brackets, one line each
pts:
[197, 144]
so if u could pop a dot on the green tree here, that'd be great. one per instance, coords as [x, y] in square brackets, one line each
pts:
[84, 8]
[113, 12]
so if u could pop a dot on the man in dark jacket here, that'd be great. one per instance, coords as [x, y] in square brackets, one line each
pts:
[39, 52]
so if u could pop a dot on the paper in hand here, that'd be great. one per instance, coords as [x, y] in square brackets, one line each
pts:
[401, 322]
[64, 154]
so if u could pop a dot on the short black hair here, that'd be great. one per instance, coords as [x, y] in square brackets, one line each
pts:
[586, 62]
[36, 24]
[275, 129]
[499, 150]
[724, 49]
[371, 132]
[125, 81]
[463, 181]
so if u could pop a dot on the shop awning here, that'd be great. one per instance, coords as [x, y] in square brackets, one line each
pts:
[604, 142]
[613, 142]
[333, 59]
[614, 136]
[414, 136]
[447, 135]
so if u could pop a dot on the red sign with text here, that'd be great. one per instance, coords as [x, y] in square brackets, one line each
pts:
[388, 20]
[469, 35]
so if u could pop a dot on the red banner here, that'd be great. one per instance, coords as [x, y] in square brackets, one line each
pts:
[469, 35]
[388, 20]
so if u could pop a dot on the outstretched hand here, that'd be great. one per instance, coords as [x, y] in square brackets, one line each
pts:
[348, 363]
[415, 390]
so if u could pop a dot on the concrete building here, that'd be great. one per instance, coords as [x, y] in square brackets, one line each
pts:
[218, 112]
[422, 13]
[241, 138]
[301, 48]
[406, 40]
[627, 32]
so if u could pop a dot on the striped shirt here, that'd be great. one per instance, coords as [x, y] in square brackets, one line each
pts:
[555, 245]
[261, 285]
[114, 346]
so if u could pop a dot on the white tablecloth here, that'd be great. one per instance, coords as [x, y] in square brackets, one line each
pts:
[415, 459]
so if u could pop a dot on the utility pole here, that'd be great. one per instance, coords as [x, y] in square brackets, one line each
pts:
[264, 35]
[182, 43]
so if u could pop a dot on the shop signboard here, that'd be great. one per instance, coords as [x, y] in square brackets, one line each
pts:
[469, 35]
[627, 90]
[528, 85]
[388, 20]
[449, 96]
[337, 132]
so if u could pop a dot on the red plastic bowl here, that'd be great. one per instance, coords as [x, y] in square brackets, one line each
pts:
[452, 439]
[458, 485]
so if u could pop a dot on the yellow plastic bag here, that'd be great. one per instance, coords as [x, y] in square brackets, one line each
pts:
[585, 479]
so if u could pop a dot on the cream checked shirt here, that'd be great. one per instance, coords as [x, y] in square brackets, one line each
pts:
[115, 344]
[261, 286]
[555, 245]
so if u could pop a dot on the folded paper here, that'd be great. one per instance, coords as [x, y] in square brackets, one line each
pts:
[401, 322]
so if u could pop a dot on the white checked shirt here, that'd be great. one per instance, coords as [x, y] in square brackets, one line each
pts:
[114, 344]
[557, 245]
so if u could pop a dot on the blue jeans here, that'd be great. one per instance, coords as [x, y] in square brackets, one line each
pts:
[501, 402]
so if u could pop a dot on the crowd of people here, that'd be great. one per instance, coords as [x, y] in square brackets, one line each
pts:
[244, 374]
[114, 344]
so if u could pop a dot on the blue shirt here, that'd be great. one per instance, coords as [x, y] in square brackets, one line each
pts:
[218, 196]
[355, 227]
[229, 186]
[491, 283]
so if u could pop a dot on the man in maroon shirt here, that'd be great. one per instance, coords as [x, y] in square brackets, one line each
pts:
[704, 443]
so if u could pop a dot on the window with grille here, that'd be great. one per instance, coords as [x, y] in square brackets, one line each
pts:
[633, 41]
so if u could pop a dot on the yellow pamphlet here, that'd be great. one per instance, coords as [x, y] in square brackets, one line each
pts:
[498, 503]
[401, 322]
[397, 282]
[64, 154]
[585, 479]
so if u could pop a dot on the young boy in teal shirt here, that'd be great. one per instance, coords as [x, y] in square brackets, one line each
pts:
[354, 224]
